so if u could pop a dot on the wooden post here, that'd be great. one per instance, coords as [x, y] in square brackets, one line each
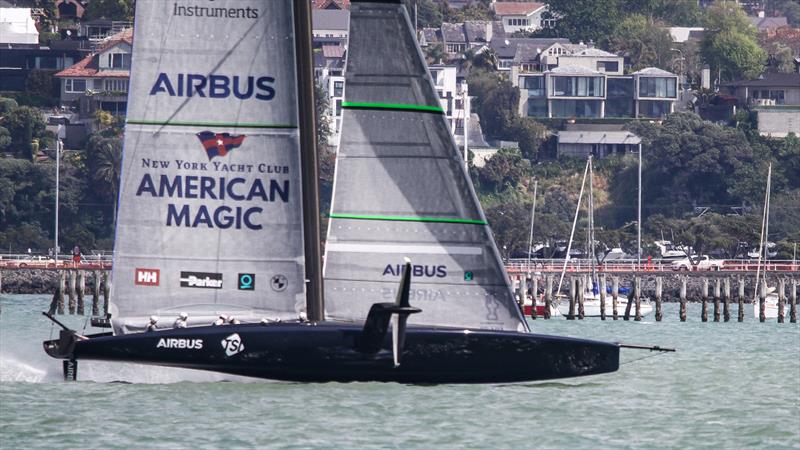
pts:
[534, 289]
[548, 296]
[762, 298]
[603, 297]
[740, 298]
[631, 296]
[62, 277]
[81, 290]
[581, 296]
[573, 294]
[106, 291]
[793, 304]
[704, 293]
[726, 296]
[638, 296]
[682, 313]
[614, 296]
[96, 294]
[71, 292]
[781, 299]
[717, 295]
[659, 290]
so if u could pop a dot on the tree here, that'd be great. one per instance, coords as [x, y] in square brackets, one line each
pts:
[108, 169]
[110, 9]
[429, 14]
[729, 43]
[24, 124]
[646, 43]
[5, 139]
[780, 59]
[583, 20]
[530, 134]
[685, 13]
[504, 170]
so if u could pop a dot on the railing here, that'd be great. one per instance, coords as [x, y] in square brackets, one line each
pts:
[99, 260]
[630, 265]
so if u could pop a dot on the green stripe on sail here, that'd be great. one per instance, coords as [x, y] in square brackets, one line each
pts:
[210, 124]
[394, 106]
[409, 219]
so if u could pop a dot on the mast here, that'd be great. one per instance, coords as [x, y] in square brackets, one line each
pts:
[764, 232]
[315, 306]
[574, 223]
[591, 218]
[533, 218]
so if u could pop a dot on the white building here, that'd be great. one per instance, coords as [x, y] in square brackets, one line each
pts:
[330, 23]
[520, 16]
[17, 26]
[453, 96]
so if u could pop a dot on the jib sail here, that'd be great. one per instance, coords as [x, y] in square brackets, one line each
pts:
[210, 219]
[401, 191]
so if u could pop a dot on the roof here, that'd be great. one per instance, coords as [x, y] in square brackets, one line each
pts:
[598, 137]
[594, 52]
[431, 35]
[18, 26]
[330, 19]
[517, 8]
[683, 34]
[453, 32]
[330, 4]
[572, 70]
[766, 23]
[654, 72]
[87, 67]
[507, 47]
[478, 30]
[771, 80]
[333, 51]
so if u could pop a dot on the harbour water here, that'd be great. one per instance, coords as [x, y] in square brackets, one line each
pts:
[730, 385]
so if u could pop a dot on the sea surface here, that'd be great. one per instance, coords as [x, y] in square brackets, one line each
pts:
[729, 385]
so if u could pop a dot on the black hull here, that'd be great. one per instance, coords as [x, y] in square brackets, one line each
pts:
[327, 351]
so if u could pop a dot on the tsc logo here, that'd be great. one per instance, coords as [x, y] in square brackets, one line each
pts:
[147, 277]
[190, 344]
[203, 280]
[247, 281]
[219, 144]
[214, 86]
[232, 344]
[416, 270]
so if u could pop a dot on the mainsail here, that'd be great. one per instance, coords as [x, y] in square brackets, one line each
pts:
[210, 219]
[401, 190]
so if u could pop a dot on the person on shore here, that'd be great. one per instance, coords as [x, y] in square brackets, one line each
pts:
[76, 255]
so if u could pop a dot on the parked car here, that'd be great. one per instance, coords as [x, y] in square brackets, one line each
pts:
[697, 262]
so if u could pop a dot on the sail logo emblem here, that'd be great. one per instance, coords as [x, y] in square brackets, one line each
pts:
[247, 281]
[232, 344]
[147, 277]
[203, 280]
[219, 144]
[279, 283]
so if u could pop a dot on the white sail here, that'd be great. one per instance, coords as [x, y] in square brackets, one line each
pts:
[210, 218]
[401, 190]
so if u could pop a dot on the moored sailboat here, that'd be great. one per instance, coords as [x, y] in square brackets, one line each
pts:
[386, 209]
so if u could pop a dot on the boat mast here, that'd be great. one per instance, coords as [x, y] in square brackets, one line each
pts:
[764, 232]
[574, 223]
[591, 219]
[315, 306]
[533, 218]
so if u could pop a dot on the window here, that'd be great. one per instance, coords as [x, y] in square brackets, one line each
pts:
[607, 66]
[74, 85]
[459, 103]
[504, 63]
[534, 85]
[537, 107]
[576, 108]
[119, 61]
[657, 87]
[577, 86]
[116, 86]
[338, 108]
[654, 108]
[338, 88]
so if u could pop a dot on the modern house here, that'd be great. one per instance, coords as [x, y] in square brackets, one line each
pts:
[528, 54]
[520, 16]
[453, 96]
[329, 63]
[100, 80]
[457, 38]
[597, 140]
[775, 97]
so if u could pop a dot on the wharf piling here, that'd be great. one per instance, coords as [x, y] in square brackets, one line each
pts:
[603, 297]
[548, 296]
[704, 293]
[762, 299]
[637, 295]
[106, 292]
[781, 299]
[60, 292]
[573, 293]
[71, 291]
[659, 290]
[793, 303]
[581, 296]
[96, 294]
[614, 297]
[717, 293]
[81, 289]
[627, 315]
[726, 302]
[534, 291]
[740, 298]
[682, 313]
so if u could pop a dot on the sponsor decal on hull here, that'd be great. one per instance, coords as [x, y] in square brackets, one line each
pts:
[202, 280]
[180, 343]
[233, 344]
